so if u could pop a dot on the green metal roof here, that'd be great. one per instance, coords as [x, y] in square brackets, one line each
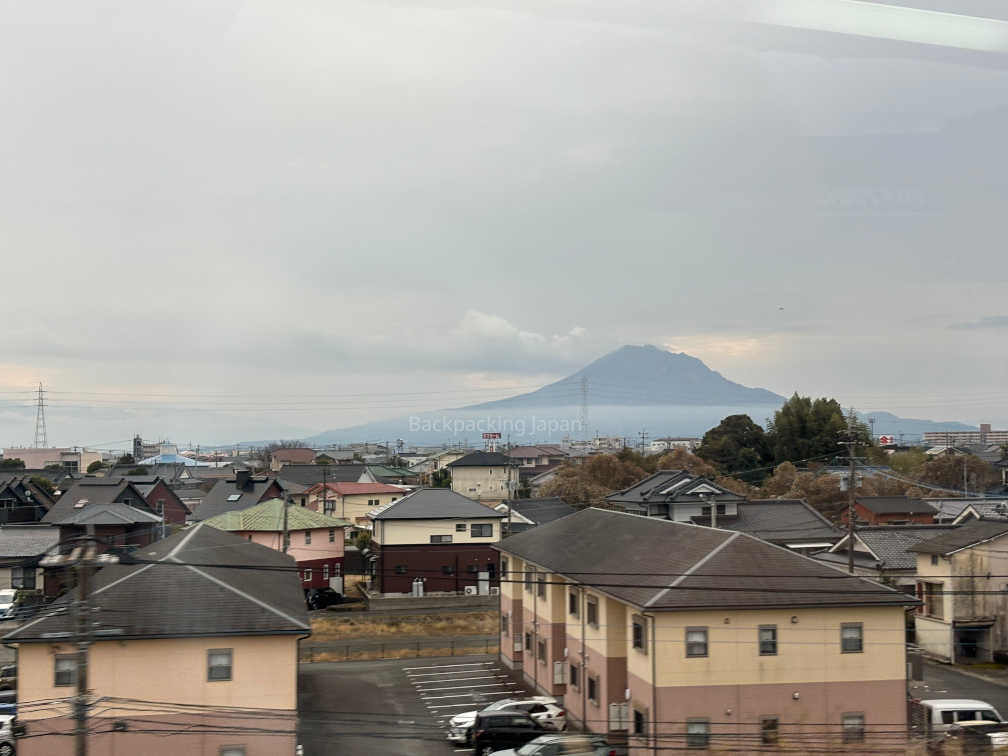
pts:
[269, 516]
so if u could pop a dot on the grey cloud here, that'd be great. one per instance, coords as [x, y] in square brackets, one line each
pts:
[992, 321]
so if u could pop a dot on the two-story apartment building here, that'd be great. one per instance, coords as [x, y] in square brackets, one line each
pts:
[352, 501]
[676, 495]
[437, 535]
[962, 616]
[673, 635]
[184, 644]
[315, 540]
[484, 476]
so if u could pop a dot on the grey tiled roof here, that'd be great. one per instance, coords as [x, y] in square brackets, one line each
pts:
[100, 501]
[541, 511]
[963, 536]
[27, 540]
[660, 564]
[309, 475]
[670, 486]
[779, 521]
[216, 502]
[482, 459]
[895, 505]
[170, 600]
[436, 504]
[891, 544]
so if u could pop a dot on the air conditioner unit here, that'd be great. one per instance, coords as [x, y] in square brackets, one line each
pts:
[495, 591]
[471, 590]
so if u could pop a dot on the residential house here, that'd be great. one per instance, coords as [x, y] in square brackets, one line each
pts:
[791, 523]
[891, 510]
[675, 495]
[183, 643]
[21, 548]
[352, 501]
[535, 456]
[884, 552]
[335, 456]
[391, 475]
[484, 476]
[161, 498]
[309, 475]
[314, 540]
[437, 535]
[241, 491]
[294, 456]
[672, 635]
[962, 617]
[523, 514]
[115, 509]
[21, 500]
[538, 482]
[988, 509]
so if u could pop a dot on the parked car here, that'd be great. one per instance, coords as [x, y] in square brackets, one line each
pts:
[974, 738]
[563, 745]
[937, 715]
[6, 735]
[320, 598]
[8, 677]
[496, 731]
[7, 596]
[543, 709]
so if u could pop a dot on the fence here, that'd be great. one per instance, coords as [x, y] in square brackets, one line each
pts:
[358, 650]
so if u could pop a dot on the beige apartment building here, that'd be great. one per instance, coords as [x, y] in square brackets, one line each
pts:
[489, 477]
[206, 654]
[678, 635]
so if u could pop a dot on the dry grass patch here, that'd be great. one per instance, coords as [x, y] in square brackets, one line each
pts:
[352, 654]
[366, 625]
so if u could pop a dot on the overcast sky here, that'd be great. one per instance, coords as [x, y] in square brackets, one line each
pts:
[232, 220]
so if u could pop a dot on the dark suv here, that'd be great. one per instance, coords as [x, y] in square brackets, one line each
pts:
[495, 731]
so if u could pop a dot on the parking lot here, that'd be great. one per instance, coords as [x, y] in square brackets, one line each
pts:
[394, 706]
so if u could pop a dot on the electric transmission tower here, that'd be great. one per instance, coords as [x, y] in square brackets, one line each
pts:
[40, 429]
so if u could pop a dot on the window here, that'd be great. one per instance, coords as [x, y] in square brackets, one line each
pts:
[934, 599]
[696, 641]
[65, 670]
[460, 527]
[400, 569]
[934, 559]
[697, 732]
[504, 567]
[591, 611]
[481, 531]
[23, 577]
[541, 585]
[447, 569]
[639, 634]
[572, 603]
[337, 569]
[574, 671]
[441, 539]
[325, 572]
[768, 640]
[769, 730]
[234, 497]
[232, 751]
[639, 721]
[219, 664]
[504, 624]
[528, 641]
[307, 537]
[853, 728]
[528, 579]
[593, 689]
[332, 535]
[541, 651]
[705, 511]
[307, 575]
[851, 638]
[372, 502]
[159, 508]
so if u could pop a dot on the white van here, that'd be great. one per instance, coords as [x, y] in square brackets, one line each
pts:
[941, 713]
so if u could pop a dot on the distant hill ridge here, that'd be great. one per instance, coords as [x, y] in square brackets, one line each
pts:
[641, 375]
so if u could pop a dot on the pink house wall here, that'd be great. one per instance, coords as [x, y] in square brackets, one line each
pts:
[321, 556]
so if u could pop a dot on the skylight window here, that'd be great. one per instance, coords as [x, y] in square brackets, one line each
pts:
[234, 497]
[80, 503]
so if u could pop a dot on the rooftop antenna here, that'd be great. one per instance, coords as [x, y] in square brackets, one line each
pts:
[40, 429]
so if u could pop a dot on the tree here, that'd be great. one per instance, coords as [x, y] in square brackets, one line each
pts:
[610, 472]
[12, 464]
[575, 488]
[909, 462]
[139, 471]
[44, 484]
[441, 478]
[54, 467]
[736, 445]
[946, 471]
[95, 466]
[680, 459]
[126, 459]
[803, 429]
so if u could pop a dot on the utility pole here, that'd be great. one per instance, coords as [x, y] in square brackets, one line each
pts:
[851, 485]
[286, 535]
[325, 491]
[643, 440]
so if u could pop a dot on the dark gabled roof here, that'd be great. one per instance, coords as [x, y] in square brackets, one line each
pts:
[891, 545]
[671, 486]
[964, 536]
[541, 511]
[95, 501]
[24, 492]
[482, 459]
[778, 521]
[27, 540]
[895, 505]
[169, 600]
[664, 565]
[436, 504]
[218, 499]
[309, 475]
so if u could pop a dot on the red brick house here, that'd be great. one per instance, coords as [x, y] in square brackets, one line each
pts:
[891, 510]
[161, 498]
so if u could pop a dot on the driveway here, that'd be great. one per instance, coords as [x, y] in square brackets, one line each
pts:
[944, 681]
[393, 707]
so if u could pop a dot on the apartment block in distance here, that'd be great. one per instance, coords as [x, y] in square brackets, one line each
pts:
[657, 632]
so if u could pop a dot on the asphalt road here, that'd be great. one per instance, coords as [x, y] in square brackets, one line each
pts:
[391, 707]
[943, 681]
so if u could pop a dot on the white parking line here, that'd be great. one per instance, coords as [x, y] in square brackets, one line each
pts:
[449, 674]
[447, 666]
[460, 705]
[457, 679]
[468, 687]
